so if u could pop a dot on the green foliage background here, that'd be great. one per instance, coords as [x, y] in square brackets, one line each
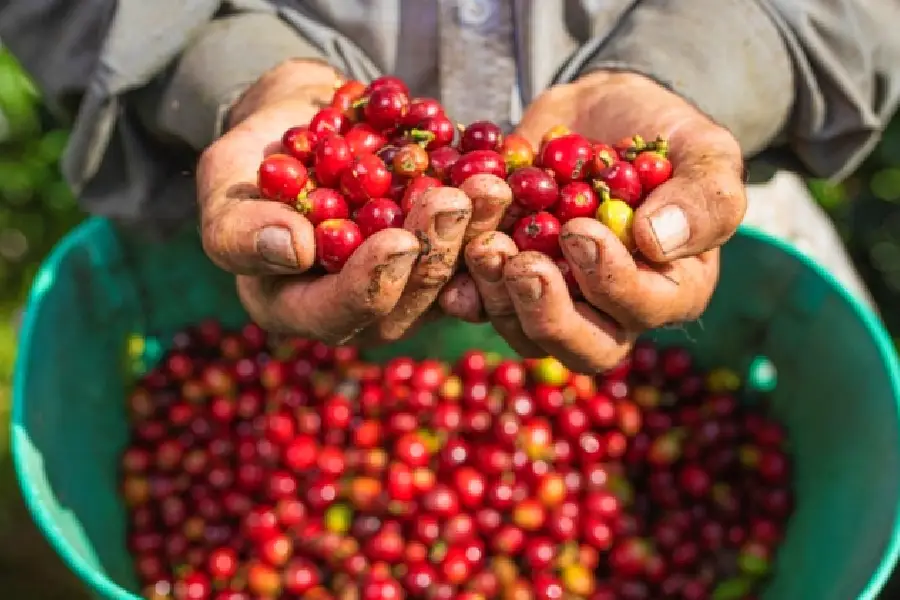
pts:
[37, 208]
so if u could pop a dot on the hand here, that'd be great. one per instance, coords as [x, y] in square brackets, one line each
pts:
[388, 285]
[677, 231]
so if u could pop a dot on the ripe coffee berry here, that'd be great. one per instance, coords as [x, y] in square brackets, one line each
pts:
[282, 177]
[378, 214]
[336, 240]
[534, 189]
[322, 204]
[538, 232]
[300, 143]
[480, 135]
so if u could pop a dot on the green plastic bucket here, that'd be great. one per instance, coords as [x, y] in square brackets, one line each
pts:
[838, 391]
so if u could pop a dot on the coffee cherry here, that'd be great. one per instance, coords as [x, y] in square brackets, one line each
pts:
[346, 97]
[474, 163]
[439, 131]
[366, 178]
[567, 157]
[387, 81]
[410, 161]
[421, 109]
[534, 189]
[336, 240]
[604, 156]
[441, 160]
[364, 139]
[576, 200]
[329, 121]
[480, 135]
[322, 204]
[557, 131]
[618, 216]
[622, 182]
[282, 178]
[378, 214]
[414, 190]
[517, 152]
[653, 170]
[300, 143]
[386, 107]
[538, 232]
[333, 157]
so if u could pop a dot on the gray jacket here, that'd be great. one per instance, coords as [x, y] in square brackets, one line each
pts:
[144, 83]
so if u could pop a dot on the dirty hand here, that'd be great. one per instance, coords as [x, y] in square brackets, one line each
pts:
[677, 231]
[388, 285]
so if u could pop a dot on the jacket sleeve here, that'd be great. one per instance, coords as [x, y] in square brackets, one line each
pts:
[153, 80]
[821, 77]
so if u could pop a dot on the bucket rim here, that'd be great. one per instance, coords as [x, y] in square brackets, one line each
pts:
[100, 583]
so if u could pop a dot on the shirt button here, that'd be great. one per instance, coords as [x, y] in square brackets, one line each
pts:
[475, 13]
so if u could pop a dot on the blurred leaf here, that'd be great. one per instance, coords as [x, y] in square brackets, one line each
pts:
[828, 195]
[52, 144]
[885, 184]
[19, 100]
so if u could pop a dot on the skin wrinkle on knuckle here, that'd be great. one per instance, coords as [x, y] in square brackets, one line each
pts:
[434, 271]
[498, 307]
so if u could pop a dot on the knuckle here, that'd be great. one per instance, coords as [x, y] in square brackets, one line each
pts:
[498, 307]
[433, 271]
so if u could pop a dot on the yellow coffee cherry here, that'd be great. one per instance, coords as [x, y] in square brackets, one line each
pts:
[723, 380]
[550, 371]
[618, 216]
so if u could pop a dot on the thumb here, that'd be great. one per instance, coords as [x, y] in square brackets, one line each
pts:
[242, 232]
[702, 205]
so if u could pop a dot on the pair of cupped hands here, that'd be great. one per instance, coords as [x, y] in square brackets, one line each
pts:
[400, 278]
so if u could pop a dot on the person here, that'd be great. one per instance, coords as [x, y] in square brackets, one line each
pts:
[151, 86]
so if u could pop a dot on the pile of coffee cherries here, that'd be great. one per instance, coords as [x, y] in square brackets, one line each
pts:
[266, 470]
[363, 162]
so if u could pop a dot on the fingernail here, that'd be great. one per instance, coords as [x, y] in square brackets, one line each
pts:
[275, 245]
[398, 267]
[450, 224]
[583, 250]
[528, 289]
[670, 227]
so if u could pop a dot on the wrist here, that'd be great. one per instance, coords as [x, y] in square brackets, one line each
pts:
[292, 79]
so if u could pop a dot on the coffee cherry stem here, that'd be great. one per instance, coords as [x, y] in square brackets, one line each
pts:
[602, 190]
[660, 146]
[420, 136]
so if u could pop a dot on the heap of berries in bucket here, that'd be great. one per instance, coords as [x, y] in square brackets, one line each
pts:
[363, 162]
[264, 469]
